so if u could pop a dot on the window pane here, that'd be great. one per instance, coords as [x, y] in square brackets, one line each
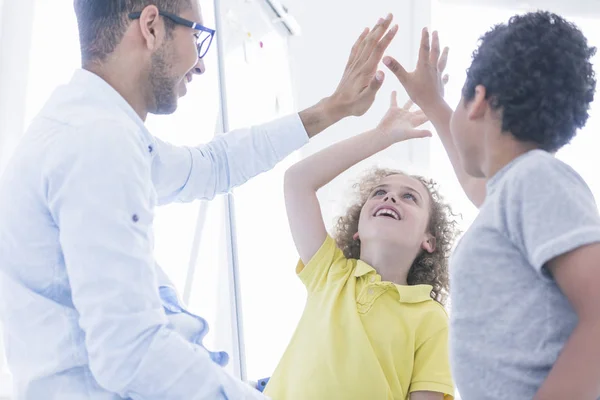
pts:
[193, 123]
[211, 295]
[54, 53]
[259, 90]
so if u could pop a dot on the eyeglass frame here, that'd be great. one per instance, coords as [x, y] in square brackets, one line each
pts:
[187, 23]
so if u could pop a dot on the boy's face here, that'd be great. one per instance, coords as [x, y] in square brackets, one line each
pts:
[468, 135]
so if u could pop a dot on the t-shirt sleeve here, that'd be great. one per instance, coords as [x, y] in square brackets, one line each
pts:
[550, 210]
[431, 371]
[327, 265]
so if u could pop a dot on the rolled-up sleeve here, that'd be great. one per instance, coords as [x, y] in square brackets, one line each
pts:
[99, 193]
[189, 173]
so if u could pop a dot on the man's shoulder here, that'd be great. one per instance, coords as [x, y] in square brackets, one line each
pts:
[69, 109]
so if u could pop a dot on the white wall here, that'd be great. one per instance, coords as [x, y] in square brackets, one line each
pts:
[15, 41]
[318, 57]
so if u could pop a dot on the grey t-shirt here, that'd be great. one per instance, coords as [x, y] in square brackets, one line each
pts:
[509, 319]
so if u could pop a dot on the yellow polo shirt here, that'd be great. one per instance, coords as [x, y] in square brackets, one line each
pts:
[362, 339]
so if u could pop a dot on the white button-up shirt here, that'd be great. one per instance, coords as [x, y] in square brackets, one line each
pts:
[84, 311]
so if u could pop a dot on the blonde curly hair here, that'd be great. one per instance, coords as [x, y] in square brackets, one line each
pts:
[427, 268]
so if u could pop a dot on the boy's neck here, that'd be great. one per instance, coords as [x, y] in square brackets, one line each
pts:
[391, 262]
[502, 151]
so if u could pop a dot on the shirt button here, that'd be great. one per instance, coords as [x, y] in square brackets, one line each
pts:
[372, 279]
[370, 291]
[150, 148]
[135, 218]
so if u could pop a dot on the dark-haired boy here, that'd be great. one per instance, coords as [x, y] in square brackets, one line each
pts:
[525, 316]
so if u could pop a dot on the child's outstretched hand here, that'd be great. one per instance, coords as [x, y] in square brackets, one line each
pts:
[401, 123]
[425, 85]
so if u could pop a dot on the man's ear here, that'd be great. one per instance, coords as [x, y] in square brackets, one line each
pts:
[152, 27]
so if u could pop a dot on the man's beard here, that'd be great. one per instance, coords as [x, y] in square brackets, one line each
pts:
[163, 86]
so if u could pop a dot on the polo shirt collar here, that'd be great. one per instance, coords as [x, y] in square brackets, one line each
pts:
[407, 293]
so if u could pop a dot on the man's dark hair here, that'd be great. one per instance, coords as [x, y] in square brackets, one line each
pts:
[537, 71]
[102, 23]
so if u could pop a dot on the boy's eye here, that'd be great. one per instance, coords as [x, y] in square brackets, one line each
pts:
[379, 192]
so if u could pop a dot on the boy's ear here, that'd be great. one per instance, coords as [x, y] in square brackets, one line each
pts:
[478, 106]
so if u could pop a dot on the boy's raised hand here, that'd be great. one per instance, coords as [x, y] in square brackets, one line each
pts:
[425, 85]
[401, 123]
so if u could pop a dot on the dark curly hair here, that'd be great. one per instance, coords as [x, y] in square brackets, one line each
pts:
[427, 268]
[537, 71]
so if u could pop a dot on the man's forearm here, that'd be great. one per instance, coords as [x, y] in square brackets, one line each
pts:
[576, 373]
[440, 115]
[321, 116]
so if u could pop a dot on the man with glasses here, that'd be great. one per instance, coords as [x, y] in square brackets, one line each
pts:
[87, 313]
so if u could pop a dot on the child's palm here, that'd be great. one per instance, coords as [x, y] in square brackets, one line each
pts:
[401, 123]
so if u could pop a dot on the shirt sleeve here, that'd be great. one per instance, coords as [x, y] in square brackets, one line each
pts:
[327, 265]
[99, 195]
[550, 210]
[431, 371]
[190, 173]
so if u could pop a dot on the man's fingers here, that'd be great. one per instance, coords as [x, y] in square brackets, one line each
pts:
[424, 47]
[408, 105]
[382, 46]
[434, 54]
[443, 61]
[396, 68]
[374, 37]
[374, 86]
[357, 45]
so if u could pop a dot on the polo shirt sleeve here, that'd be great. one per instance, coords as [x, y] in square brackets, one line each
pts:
[431, 371]
[328, 265]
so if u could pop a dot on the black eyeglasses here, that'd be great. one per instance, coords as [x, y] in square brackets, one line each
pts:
[204, 37]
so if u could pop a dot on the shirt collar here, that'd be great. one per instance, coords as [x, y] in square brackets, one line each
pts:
[100, 89]
[407, 293]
